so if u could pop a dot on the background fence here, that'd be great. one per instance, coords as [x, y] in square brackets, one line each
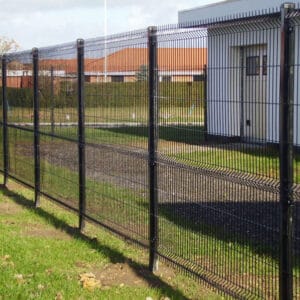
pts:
[183, 139]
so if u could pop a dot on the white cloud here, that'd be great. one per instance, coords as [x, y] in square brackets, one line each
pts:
[21, 6]
[45, 22]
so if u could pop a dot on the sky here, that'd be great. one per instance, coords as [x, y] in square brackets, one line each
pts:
[40, 23]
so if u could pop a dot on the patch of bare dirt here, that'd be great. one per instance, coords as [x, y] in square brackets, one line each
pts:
[127, 274]
[120, 274]
[9, 208]
[80, 264]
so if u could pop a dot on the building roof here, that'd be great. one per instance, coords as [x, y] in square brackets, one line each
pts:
[131, 59]
[231, 10]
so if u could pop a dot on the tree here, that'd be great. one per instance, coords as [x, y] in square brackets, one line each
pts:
[142, 73]
[8, 45]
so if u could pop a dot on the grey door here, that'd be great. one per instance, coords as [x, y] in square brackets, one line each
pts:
[254, 93]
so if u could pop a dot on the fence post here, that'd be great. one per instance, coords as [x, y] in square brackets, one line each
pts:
[36, 111]
[81, 133]
[152, 147]
[286, 156]
[205, 102]
[52, 98]
[4, 119]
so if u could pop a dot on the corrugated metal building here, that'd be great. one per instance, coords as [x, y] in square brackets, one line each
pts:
[243, 68]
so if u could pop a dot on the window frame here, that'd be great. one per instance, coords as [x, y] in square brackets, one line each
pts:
[166, 78]
[117, 78]
[265, 65]
[253, 70]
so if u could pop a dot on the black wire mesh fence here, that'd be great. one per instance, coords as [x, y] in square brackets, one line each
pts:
[183, 139]
[1, 120]
[58, 123]
[18, 151]
[214, 179]
[116, 106]
[295, 69]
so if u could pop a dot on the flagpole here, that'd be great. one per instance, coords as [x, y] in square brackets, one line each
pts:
[105, 46]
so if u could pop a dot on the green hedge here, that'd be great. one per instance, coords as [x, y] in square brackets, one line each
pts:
[1, 99]
[20, 97]
[111, 95]
[136, 94]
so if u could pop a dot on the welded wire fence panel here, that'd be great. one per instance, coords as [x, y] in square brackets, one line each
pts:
[296, 243]
[116, 116]
[20, 116]
[58, 90]
[59, 170]
[19, 89]
[1, 121]
[218, 158]
[21, 155]
[295, 68]
[116, 90]
[218, 177]
[58, 123]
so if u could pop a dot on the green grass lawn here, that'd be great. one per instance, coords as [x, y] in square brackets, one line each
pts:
[42, 257]
[116, 114]
[260, 161]
[205, 247]
[108, 102]
[176, 141]
[210, 250]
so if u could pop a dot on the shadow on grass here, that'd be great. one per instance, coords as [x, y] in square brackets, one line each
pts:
[248, 155]
[193, 135]
[114, 256]
[242, 225]
[245, 235]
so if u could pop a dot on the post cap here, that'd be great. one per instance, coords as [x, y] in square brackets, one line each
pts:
[80, 42]
[35, 51]
[288, 5]
[152, 29]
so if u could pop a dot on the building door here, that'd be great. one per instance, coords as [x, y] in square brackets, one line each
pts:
[254, 80]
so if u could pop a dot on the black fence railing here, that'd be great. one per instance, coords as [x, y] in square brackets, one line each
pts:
[184, 139]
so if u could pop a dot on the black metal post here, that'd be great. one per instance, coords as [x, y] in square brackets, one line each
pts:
[205, 102]
[36, 108]
[81, 133]
[152, 147]
[52, 99]
[4, 119]
[286, 157]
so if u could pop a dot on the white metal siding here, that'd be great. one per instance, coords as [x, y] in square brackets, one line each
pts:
[224, 79]
[229, 10]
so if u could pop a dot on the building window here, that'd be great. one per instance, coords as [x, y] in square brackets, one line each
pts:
[265, 65]
[117, 78]
[252, 65]
[166, 78]
[198, 78]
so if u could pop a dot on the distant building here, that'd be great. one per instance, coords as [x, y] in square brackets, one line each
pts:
[243, 73]
[18, 79]
[175, 65]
